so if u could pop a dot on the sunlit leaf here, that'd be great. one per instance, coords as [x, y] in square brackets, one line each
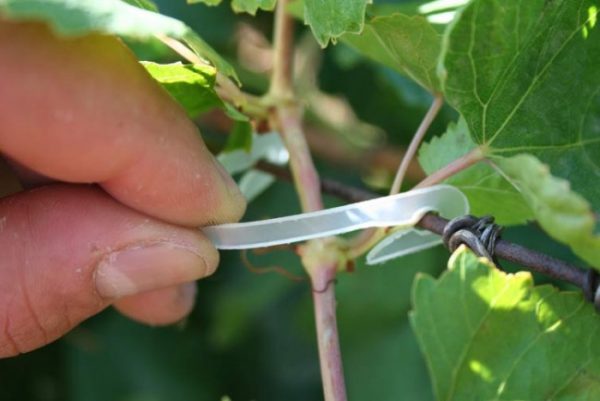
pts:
[190, 85]
[489, 335]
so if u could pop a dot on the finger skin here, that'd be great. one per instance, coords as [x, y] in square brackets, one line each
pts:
[160, 307]
[84, 111]
[55, 243]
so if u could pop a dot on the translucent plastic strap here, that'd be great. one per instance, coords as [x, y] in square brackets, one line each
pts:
[401, 211]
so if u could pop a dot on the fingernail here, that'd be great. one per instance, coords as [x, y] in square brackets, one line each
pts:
[232, 187]
[237, 199]
[148, 267]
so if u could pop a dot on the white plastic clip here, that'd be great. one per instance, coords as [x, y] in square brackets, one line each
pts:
[400, 211]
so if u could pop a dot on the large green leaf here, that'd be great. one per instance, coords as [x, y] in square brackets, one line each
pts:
[489, 335]
[80, 17]
[190, 85]
[487, 190]
[410, 45]
[524, 74]
[330, 19]
[564, 214]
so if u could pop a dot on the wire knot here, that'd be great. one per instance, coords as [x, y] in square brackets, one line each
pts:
[479, 234]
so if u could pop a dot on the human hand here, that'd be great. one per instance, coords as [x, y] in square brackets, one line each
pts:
[83, 111]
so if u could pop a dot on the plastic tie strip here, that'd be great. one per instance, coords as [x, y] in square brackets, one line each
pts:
[401, 211]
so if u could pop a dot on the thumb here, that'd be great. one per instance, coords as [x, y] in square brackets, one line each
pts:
[67, 252]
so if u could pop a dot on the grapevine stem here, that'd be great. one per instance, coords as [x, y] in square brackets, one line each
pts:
[306, 178]
[329, 349]
[320, 261]
[283, 54]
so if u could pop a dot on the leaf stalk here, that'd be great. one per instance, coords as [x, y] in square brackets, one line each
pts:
[415, 143]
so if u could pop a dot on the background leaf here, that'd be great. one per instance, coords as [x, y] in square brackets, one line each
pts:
[524, 74]
[330, 19]
[564, 214]
[190, 85]
[409, 45]
[76, 17]
[488, 335]
[487, 190]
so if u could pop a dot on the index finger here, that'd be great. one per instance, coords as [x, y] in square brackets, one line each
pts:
[83, 110]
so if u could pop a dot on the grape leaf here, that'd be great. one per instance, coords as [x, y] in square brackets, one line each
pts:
[330, 19]
[409, 45]
[489, 335]
[242, 6]
[190, 85]
[524, 74]
[79, 17]
[487, 190]
[564, 214]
